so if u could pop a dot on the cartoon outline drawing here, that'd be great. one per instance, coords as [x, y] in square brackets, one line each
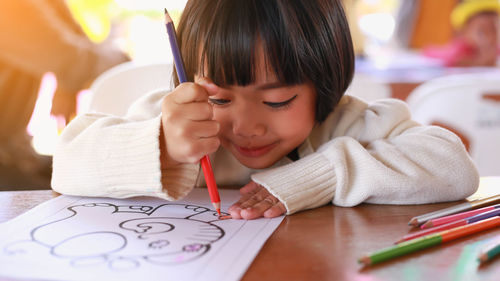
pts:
[137, 234]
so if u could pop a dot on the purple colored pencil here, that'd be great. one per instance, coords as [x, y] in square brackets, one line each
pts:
[172, 38]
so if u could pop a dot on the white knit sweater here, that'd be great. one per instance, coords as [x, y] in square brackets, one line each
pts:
[362, 153]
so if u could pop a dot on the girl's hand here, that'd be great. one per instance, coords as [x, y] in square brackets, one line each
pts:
[188, 130]
[256, 202]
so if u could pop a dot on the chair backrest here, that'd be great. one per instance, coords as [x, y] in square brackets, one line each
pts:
[469, 105]
[368, 88]
[117, 88]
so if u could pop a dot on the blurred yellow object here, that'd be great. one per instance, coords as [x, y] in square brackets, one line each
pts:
[94, 16]
[463, 11]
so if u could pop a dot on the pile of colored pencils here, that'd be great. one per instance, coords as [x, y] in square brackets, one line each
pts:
[446, 225]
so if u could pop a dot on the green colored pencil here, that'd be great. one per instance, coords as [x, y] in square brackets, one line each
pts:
[401, 249]
[429, 241]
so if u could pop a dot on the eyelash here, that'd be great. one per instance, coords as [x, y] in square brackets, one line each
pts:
[279, 105]
[273, 105]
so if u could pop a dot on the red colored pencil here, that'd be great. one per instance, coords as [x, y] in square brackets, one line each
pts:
[181, 74]
[455, 217]
[466, 206]
[428, 241]
[461, 222]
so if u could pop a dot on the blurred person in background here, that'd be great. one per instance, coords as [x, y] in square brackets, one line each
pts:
[476, 39]
[39, 36]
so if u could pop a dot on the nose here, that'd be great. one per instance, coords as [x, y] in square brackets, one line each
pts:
[248, 123]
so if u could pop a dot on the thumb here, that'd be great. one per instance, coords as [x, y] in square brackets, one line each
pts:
[209, 86]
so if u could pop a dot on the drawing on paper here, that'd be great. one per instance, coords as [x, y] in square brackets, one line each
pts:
[127, 235]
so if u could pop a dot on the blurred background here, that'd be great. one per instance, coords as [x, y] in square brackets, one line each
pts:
[59, 48]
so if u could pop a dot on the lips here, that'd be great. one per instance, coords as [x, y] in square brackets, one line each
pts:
[255, 151]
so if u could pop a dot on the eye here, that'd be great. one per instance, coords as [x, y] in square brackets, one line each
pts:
[219, 101]
[280, 104]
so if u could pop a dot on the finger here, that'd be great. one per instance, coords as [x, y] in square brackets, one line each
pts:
[209, 86]
[235, 209]
[275, 211]
[189, 92]
[258, 210]
[197, 111]
[249, 187]
[190, 153]
[202, 129]
[235, 212]
[256, 197]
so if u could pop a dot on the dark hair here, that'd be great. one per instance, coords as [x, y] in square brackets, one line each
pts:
[302, 40]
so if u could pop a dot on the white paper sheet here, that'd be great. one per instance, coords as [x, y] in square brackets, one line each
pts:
[82, 238]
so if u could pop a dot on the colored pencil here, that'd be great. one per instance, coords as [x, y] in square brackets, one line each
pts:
[459, 216]
[418, 220]
[181, 74]
[453, 224]
[490, 250]
[428, 241]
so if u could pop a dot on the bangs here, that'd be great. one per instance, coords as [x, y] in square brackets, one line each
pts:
[228, 46]
[301, 41]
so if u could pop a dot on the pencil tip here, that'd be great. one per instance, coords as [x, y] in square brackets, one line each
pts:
[364, 261]
[482, 258]
[413, 222]
[167, 16]
[428, 224]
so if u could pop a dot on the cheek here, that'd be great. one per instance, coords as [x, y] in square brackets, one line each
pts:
[223, 117]
[298, 124]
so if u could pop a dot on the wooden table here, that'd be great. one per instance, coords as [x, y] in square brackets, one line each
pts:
[324, 244]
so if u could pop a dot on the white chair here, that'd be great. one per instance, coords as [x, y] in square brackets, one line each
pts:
[368, 88]
[469, 105]
[117, 88]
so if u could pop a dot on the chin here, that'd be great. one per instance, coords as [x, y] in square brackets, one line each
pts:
[256, 164]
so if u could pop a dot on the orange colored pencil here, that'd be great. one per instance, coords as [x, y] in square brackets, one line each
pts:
[428, 241]
[432, 230]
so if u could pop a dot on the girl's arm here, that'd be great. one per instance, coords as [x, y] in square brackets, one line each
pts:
[103, 155]
[374, 154]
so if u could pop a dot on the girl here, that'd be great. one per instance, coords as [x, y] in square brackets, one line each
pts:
[266, 104]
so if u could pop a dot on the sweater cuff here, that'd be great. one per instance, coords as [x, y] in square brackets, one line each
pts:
[304, 184]
[178, 181]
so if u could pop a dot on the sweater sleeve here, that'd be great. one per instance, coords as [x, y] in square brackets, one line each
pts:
[103, 155]
[376, 155]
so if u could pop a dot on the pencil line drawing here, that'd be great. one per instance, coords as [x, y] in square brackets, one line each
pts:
[123, 237]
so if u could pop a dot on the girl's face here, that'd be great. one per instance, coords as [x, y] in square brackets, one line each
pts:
[263, 122]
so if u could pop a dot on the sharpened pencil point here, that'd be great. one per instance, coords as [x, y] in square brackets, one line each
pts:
[167, 16]
[428, 224]
[413, 222]
[365, 261]
[482, 258]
